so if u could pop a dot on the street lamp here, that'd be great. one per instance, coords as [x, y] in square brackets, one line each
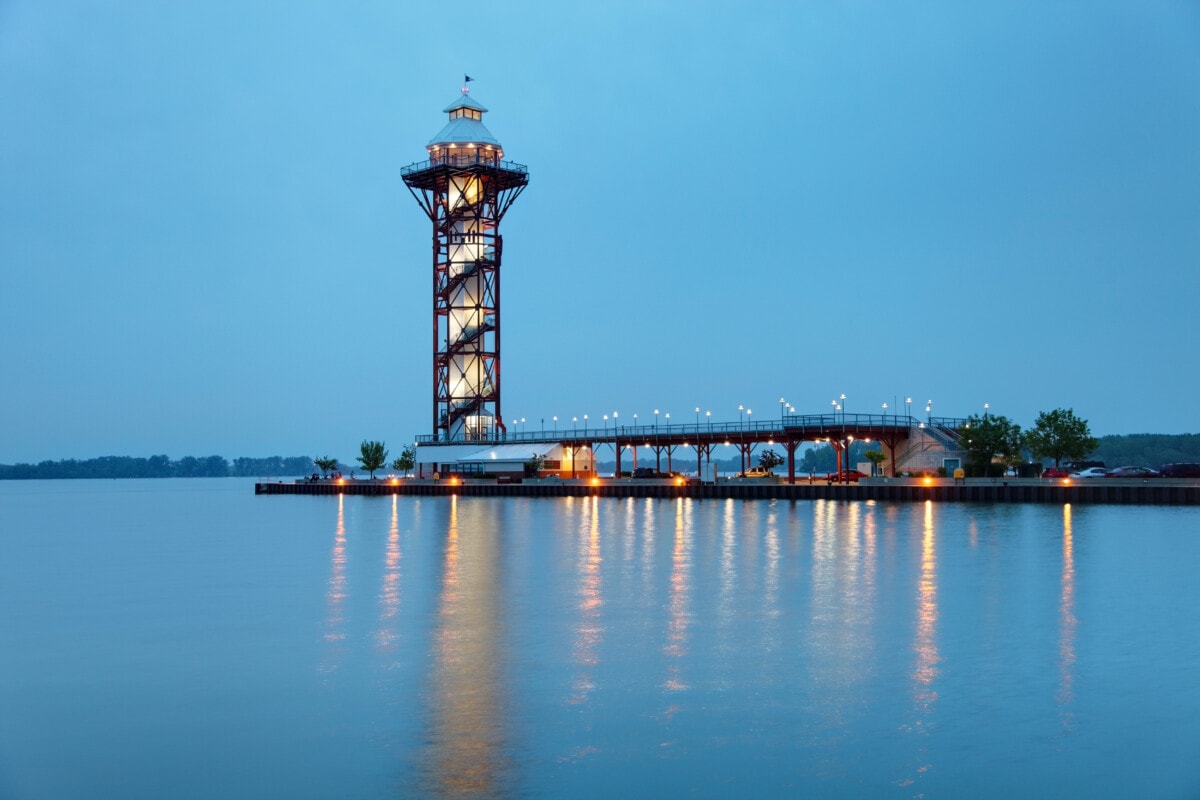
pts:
[929, 411]
[697, 417]
[985, 410]
[585, 424]
[656, 420]
[740, 409]
[574, 423]
[782, 404]
[843, 408]
[709, 415]
[556, 423]
[908, 407]
[606, 424]
[885, 413]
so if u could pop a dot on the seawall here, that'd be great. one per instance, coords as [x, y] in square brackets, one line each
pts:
[1120, 492]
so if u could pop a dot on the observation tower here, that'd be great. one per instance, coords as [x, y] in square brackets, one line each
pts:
[465, 188]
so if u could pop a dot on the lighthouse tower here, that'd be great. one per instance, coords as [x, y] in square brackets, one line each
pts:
[465, 187]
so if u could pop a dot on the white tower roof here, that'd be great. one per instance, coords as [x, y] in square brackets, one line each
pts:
[465, 125]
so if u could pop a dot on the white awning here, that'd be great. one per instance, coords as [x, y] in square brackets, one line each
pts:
[519, 453]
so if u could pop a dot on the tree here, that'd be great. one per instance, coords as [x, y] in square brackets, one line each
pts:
[374, 456]
[1060, 434]
[987, 439]
[534, 465]
[326, 465]
[406, 461]
[876, 457]
[769, 459]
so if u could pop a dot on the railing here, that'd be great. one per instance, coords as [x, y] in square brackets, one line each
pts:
[464, 161]
[806, 426]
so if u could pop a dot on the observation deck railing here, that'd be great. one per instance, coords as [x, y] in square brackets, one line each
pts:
[464, 161]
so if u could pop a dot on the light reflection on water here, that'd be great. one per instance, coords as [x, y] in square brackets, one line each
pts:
[591, 647]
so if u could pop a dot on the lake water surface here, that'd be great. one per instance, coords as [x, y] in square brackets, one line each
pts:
[187, 639]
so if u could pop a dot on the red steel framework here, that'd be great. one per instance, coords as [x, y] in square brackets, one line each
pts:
[465, 190]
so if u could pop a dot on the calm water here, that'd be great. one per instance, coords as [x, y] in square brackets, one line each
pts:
[188, 639]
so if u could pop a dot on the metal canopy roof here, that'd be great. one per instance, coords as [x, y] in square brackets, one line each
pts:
[465, 101]
[464, 130]
[509, 452]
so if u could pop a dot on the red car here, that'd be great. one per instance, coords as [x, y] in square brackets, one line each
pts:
[849, 476]
[1056, 472]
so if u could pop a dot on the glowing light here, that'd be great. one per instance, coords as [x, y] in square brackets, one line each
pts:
[595, 481]
[929, 481]
[341, 481]
[1066, 481]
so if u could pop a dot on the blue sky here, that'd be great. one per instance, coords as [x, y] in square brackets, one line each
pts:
[206, 245]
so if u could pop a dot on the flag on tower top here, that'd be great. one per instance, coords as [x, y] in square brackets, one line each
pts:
[467, 78]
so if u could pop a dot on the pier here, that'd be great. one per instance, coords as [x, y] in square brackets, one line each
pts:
[1159, 491]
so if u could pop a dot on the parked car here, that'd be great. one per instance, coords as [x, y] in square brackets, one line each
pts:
[1133, 472]
[1056, 472]
[757, 472]
[1091, 472]
[1180, 471]
[846, 475]
[649, 472]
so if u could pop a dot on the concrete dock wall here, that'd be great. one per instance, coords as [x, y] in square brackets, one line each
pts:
[1153, 492]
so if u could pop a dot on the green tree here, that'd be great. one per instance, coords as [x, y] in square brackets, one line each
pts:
[406, 461]
[876, 457]
[1060, 434]
[987, 439]
[769, 459]
[373, 456]
[326, 465]
[534, 465]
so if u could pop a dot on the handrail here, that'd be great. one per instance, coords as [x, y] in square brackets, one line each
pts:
[463, 161]
[829, 425]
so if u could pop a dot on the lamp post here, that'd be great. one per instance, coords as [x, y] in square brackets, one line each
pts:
[929, 411]
[585, 424]
[656, 420]
[697, 417]
[615, 415]
[635, 421]
[740, 417]
[885, 413]
[843, 408]
[522, 426]
[574, 425]
[985, 410]
[606, 425]
[782, 408]
[556, 423]
[709, 415]
[908, 407]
